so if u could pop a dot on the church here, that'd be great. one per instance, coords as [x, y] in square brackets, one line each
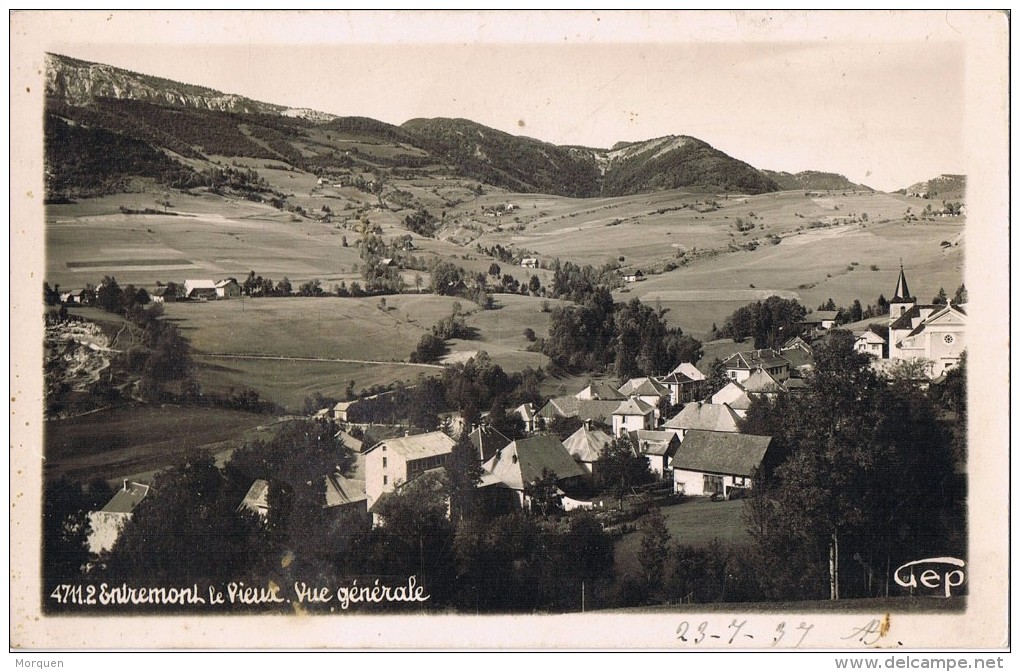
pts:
[930, 332]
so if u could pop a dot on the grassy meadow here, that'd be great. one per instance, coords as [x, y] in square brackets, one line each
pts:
[133, 440]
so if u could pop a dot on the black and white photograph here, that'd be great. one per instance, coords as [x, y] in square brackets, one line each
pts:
[524, 330]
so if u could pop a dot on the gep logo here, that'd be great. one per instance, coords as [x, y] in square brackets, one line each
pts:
[940, 573]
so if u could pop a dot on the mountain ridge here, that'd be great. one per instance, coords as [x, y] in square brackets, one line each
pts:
[196, 121]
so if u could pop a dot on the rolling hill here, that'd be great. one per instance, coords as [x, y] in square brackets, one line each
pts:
[813, 179]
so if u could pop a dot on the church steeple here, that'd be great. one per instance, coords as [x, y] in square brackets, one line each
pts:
[902, 300]
[902, 294]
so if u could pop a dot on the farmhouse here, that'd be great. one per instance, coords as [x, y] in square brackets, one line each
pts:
[632, 415]
[228, 289]
[820, 319]
[658, 447]
[529, 262]
[106, 524]
[398, 460]
[739, 366]
[700, 416]
[199, 289]
[717, 463]
[586, 446]
[522, 463]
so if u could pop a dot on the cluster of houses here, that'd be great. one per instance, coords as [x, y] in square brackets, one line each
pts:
[699, 448]
[194, 290]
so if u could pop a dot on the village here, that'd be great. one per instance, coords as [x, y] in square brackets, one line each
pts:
[650, 441]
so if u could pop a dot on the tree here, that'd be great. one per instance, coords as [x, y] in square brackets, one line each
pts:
[940, 298]
[858, 468]
[445, 278]
[464, 472]
[960, 296]
[284, 287]
[543, 493]
[620, 468]
[494, 269]
[655, 543]
[534, 284]
[109, 295]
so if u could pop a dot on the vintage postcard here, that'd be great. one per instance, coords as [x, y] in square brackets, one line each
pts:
[669, 330]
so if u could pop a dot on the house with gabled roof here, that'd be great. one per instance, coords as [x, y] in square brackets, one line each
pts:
[600, 390]
[739, 366]
[699, 415]
[735, 396]
[398, 460]
[526, 412]
[346, 492]
[106, 524]
[648, 390]
[685, 383]
[586, 446]
[570, 406]
[523, 462]
[228, 289]
[487, 441]
[199, 289]
[717, 463]
[820, 319]
[658, 447]
[762, 384]
[633, 414]
[869, 343]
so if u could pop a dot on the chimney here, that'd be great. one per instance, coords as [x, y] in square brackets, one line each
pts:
[126, 482]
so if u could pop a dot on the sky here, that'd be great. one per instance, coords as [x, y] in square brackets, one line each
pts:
[878, 97]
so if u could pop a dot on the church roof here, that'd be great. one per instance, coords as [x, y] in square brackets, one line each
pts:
[902, 293]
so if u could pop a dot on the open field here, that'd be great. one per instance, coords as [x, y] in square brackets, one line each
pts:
[136, 439]
[288, 382]
[376, 342]
[695, 522]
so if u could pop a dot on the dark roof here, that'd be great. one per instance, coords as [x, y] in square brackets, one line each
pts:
[523, 461]
[127, 498]
[601, 390]
[721, 452]
[754, 359]
[906, 320]
[798, 357]
[487, 441]
[902, 293]
[586, 409]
